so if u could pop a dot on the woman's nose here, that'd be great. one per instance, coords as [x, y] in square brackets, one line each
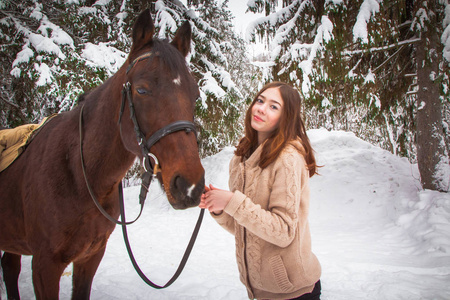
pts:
[262, 109]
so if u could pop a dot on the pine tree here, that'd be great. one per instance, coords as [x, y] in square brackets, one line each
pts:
[432, 151]
[354, 63]
[216, 56]
[45, 67]
[50, 56]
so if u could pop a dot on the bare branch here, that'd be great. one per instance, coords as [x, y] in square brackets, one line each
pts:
[388, 59]
[9, 102]
[378, 49]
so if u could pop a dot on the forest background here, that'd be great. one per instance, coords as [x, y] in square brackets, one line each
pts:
[378, 68]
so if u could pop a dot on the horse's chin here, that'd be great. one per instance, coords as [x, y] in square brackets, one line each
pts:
[179, 206]
[185, 203]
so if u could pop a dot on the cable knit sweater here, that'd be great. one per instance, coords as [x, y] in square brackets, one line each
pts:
[268, 214]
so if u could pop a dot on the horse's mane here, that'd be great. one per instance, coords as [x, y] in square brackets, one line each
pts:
[82, 97]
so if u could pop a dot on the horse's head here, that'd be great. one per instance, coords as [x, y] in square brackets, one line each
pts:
[163, 91]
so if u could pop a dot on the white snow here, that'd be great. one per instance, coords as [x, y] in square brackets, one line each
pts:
[210, 85]
[45, 44]
[370, 77]
[375, 232]
[49, 38]
[104, 55]
[445, 38]
[45, 75]
[442, 174]
[58, 36]
[368, 7]
[23, 56]
[164, 19]
[103, 2]
[324, 33]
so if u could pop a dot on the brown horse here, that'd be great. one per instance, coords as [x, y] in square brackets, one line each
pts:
[45, 207]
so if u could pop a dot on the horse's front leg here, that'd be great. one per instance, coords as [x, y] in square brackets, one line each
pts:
[83, 274]
[47, 271]
[11, 269]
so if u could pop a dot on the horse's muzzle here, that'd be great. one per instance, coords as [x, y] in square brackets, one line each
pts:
[185, 193]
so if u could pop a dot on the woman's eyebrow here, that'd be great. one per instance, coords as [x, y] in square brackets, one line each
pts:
[276, 102]
[272, 100]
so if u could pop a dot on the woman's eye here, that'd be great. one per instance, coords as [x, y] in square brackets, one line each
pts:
[141, 91]
[274, 107]
[259, 100]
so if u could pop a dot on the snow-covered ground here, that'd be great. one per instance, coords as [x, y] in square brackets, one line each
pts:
[377, 234]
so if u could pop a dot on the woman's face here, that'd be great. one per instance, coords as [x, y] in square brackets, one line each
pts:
[266, 113]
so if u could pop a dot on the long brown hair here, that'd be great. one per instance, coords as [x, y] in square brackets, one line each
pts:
[290, 128]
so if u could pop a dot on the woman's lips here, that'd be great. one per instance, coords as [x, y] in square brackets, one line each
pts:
[258, 119]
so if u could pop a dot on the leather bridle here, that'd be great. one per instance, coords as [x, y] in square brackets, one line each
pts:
[146, 144]
[151, 171]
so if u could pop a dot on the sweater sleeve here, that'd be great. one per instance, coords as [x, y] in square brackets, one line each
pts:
[277, 224]
[224, 219]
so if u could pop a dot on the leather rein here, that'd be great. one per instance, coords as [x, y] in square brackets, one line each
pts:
[150, 173]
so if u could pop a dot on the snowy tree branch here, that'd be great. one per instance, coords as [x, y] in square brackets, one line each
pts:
[384, 48]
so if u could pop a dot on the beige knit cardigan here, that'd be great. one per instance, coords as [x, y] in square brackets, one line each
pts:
[268, 214]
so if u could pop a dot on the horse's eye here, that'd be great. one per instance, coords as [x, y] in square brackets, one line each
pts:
[141, 91]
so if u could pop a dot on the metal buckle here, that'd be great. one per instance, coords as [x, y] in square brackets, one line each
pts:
[156, 168]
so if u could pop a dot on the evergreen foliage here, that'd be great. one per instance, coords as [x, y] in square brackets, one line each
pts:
[50, 56]
[217, 61]
[355, 64]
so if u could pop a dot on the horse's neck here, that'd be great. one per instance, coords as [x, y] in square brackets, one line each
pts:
[106, 158]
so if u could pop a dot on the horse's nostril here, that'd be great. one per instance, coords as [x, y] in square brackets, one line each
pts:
[178, 183]
[181, 185]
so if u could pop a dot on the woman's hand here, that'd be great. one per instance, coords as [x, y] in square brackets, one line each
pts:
[214, 199]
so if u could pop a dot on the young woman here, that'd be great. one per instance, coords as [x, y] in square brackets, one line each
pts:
[267, 207]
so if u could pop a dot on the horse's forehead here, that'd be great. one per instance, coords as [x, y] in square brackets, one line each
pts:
[174, 68]
[177, 74]
[165, 66]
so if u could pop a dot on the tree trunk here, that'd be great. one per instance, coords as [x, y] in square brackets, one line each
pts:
[432, 155]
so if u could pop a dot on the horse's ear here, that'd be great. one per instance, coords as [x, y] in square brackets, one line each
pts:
[182, 39]
[143, 29]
